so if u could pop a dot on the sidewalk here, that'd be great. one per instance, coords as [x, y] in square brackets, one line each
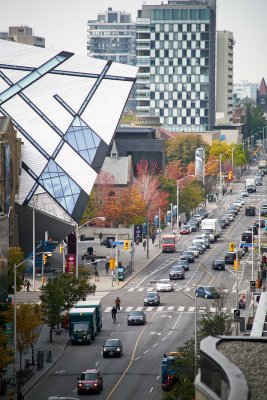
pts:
[60, 342]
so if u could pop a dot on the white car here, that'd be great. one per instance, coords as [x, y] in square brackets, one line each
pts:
[164, 285]
[244, 193]
[194, 250]
[238, 203]
[240, 200]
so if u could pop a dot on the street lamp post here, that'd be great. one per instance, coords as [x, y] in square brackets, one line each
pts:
[15, 312]
[220, 159]
[77, 227]
[177, 199]
[171, 204]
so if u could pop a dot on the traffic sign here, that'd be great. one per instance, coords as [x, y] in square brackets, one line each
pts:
[246, 244]
[236, 315]
[252, 286]
[119, 242]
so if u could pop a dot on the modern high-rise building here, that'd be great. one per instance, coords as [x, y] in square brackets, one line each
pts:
[112, 37]
[245, 89]
[224, 74]
[23, 34]
[175, 48]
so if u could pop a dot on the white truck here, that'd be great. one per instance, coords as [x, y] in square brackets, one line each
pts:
[250, 182]
[211, 228]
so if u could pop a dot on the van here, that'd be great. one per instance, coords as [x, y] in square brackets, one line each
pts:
[246, 237]
[250, 210]
[230, 257]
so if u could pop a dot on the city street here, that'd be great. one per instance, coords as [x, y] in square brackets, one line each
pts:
[137, 373]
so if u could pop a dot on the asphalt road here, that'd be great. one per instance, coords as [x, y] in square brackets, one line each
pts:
[137, 374]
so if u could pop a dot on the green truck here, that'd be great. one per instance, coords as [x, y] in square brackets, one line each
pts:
[82, 325]
[92, 304]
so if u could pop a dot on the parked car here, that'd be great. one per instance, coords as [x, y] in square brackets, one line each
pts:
[193, 220]
[112, 348]
[152, 299]
[198, 217]
[136, 318]
[230, 216]
[218, 264]
[90, 381]
[207, 292]
[164, 285]
[176, 272]
[185, 230]
[183, 263]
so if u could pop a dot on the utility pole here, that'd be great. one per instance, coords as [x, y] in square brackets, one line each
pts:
[159, 227]
[220, 174]
[177, 203]
[237, 291]
[171, 218]
[147, 236]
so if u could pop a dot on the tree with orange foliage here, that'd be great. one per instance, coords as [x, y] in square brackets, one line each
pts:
[212, 166]
[174, 170]
[191, 168]
[127, 208]
[147, 183]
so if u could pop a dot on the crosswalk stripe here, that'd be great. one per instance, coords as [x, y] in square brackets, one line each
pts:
[108, 309]
[131, 289]
[191, 309]
[140, 289]
[128, 309]
[187, 289]
[225, 290]
[170, 308]
[160, 308]
[139, 308]
[181, 308]
[150, 308]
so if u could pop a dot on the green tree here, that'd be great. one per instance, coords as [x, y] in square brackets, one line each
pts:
[190, 197]
[240, 156]
[29, 318]
[168, 185]
[61, 293]
[15, 256]
[255, 119]
[183, 146]
[6, 354]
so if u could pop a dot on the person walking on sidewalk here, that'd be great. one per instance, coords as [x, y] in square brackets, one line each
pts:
[28, 284]
[100, 236]
[107, 267]
[144, 244]
[96, 275]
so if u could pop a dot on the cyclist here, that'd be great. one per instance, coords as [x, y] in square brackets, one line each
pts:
[114, 313]
[118, 304]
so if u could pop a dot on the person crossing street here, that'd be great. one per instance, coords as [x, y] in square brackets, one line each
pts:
[118, 304]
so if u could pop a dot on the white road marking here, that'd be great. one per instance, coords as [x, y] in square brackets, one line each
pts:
[131, 289]
[128, 309]
[139, 308]
[191, 309]
[146, 351]
[181, 308]
[170, 308]
[151, 390]
[150, 308]
[140, 289]
[155, 345]
[137, 358]
[160, 308]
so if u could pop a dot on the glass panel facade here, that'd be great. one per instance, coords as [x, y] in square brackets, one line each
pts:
[83, 139]
[57, 183]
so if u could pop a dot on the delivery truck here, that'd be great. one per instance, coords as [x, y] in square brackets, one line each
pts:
[82, 325]
[250, 182]
[94, 303]
[168, 243]
[211, 228]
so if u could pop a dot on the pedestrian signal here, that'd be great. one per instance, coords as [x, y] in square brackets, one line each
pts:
[112, 263]
[61, 249]
[231, 246]
[44, 259]
[126, 244]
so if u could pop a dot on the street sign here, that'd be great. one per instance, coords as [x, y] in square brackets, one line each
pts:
[236, 315]
[119, 242]
[252, 286]
[246, 244]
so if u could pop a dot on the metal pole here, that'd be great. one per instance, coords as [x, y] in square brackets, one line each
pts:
[147, 237]
[195, 334]
[252, 255]
[15, 326]
[237, 291]
[159, 227]
[233, 160]
[42, 269]
[117, 257]
[172, 218]
[63, 257]
[33, 246]
[259, 233]
[177, 202]
[221, 175]
[77, 249]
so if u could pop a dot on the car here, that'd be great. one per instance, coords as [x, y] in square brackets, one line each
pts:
[112, 348]
[183, 263]
[251, 189]
[193, 225]
[218, 264]
[203, 211]
[136, 318]
[250, 210]
[152, 299]
[205, 244]
[244, 193]
[203, 237]
[230, 216]
[240, 200]
[260, 223]
[164, 285]
[207, 292]
[186, 230]
[194, 250]
[222, 223]
[258, 182]
[238, 203]
[198, 217]
[233, 209]
[201, 248]
[190, 256]
[176, 272]
[230, 257]
[90, 381]
[227, 220]
[193, 221]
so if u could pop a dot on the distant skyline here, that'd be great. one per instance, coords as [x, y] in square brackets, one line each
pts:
[63, 24]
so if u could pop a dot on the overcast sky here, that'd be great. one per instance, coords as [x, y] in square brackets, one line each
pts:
[63, 24]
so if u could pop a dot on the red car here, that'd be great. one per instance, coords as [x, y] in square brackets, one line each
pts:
[185, 230]
[90, 381]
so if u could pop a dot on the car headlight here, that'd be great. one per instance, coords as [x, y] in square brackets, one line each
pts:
[118, 349]
[104, 349]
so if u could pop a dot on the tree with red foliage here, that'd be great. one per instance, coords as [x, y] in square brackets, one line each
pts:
[175, 170]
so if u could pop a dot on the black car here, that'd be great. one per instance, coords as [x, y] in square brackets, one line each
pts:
[251, 189]
[184, 264]
[218, 264]
[232, 210]
[260, 223]
[222, 223]
[112, 348]
[193, 221]
[246, 237]
[250, 210]
[193, 225]
[203, 211]
[177, 272]
[189, 255]
[152, 299]
[136, 318]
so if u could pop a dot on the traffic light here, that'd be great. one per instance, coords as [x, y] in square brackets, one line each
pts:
[231, 246]
[230, 175]
[112, 263]
[44, 259]
[126, 245]
[61, 249]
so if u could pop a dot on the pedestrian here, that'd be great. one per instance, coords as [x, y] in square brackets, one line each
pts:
[96, 275]
[144, 244]
[90, 250]
[100, 236]
[28, 285]
[137, 240]
[118, 304]
[153, 237]
[107, 267]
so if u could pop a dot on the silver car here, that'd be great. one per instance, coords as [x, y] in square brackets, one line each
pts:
[194, 250]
